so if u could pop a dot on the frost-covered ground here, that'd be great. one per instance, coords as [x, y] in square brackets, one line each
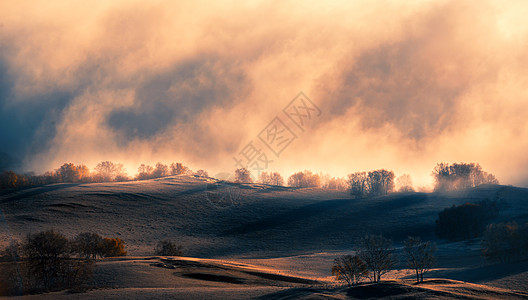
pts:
[283, 231]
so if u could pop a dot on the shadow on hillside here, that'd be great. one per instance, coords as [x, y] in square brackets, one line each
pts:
[293, 215]
[384, 289]
[39, 190]
[388, 290]
[485, 273]
[297, 293]
[338, 216]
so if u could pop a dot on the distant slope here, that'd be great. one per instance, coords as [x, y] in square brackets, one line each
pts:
[214, 218]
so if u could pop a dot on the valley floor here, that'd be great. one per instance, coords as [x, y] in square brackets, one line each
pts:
[299, 277]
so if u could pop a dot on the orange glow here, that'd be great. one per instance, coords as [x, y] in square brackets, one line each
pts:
[401, 85]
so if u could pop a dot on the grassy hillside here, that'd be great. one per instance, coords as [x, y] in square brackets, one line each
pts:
[212, 218]
[187, 278]
[292, 234]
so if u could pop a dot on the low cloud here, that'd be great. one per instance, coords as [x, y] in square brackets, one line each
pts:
[400, 86]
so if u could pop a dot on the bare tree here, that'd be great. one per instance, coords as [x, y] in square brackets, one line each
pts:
[381, 182]
[336, 183]
[377, 252]
[350, 269]
[420, 256]
[264, 178]
[276, 179]
[84, 173]
[243, 175]
[324, 178]
[109, 171]
[160, 170]
[304, 179]
[179, 169]
[358, 183]
[332, 183]
[404, 183]
[144, 172]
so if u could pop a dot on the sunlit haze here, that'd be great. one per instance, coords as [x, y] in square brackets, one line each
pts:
[400, 85]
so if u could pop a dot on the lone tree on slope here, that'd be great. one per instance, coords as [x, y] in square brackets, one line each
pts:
[377, 252]
[420, 256]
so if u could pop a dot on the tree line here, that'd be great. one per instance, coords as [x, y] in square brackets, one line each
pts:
[375, 182]
[105, 171]
[446, 177]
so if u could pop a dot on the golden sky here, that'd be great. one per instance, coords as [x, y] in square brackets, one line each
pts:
[400, 85]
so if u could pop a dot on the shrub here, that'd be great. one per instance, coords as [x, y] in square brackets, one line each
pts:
[168, 248]
[201, 173]
[505, 242]
[465, 221]
[113, 247]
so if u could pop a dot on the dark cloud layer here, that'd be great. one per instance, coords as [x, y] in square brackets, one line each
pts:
[178, 96]
[416, 82]
[28, 123]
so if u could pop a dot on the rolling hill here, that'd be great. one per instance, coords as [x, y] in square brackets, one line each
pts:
[294, 232]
